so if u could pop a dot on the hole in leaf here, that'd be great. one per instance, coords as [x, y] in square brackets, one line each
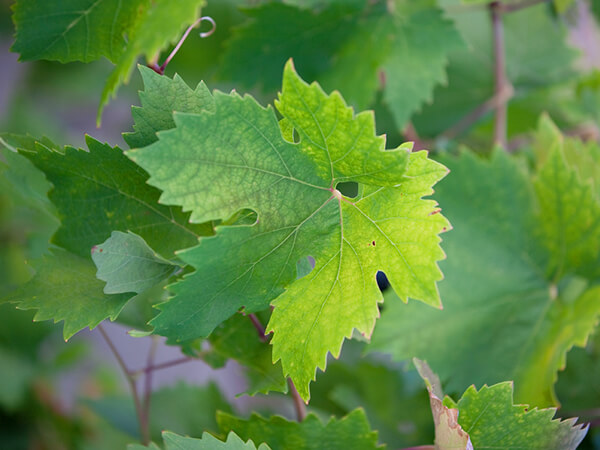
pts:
[295, 136]
[382, 281]
[348, 188]
[304, 266]
[244, 217]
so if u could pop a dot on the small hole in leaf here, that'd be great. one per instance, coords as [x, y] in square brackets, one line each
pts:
[304, 266]
[382, 281]
[295, 136]
[348, 189]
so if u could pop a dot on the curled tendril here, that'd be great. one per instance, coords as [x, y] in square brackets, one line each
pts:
[161, 70]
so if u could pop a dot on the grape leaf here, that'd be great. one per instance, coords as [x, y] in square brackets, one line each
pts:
[275, 32]
[418, 58]
[502, 319]
[78, 30]
[127, 264]
[161, 97]
[27, 218]
[93, 188]
[236, 339]
[406, 41]
[351, 431]
[207, 442]
[65, 287]
[300, 213]
[161, 25]
[570, 208]
[493, 421]
[448, 433]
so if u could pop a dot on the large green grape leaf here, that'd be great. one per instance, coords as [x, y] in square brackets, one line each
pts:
[74, 30]
[493, 421]
[352, 431]
[100, 191]
[207, 442]
[161, 25]
[127, 264]
[163, 96]
[216, 164]
[502, 319]
[65, 287]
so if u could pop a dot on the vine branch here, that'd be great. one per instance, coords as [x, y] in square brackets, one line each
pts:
[144, 431]
[500, 78]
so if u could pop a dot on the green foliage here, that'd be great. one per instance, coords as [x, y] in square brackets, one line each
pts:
[261, 236]
[352, 431]
[207, 442]
[65, 287]
[335, 146]
[324, 45]
[78, 30]
[493, 421]
[507, 313]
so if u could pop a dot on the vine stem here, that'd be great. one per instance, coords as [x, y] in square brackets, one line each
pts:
[144, 431]
[145, 419]
[500, 78]
[165, 365]
[299, 405]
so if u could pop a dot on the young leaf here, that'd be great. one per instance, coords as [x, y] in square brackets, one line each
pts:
[93, 189]
[161, 97]
[502, 320]
[351, 431]
[65, 287]
[236, 158]
[493, 421]
[448, 433]
[128, 264]
[207, 442]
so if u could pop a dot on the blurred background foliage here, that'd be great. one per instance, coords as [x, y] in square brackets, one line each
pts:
[553, 64]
